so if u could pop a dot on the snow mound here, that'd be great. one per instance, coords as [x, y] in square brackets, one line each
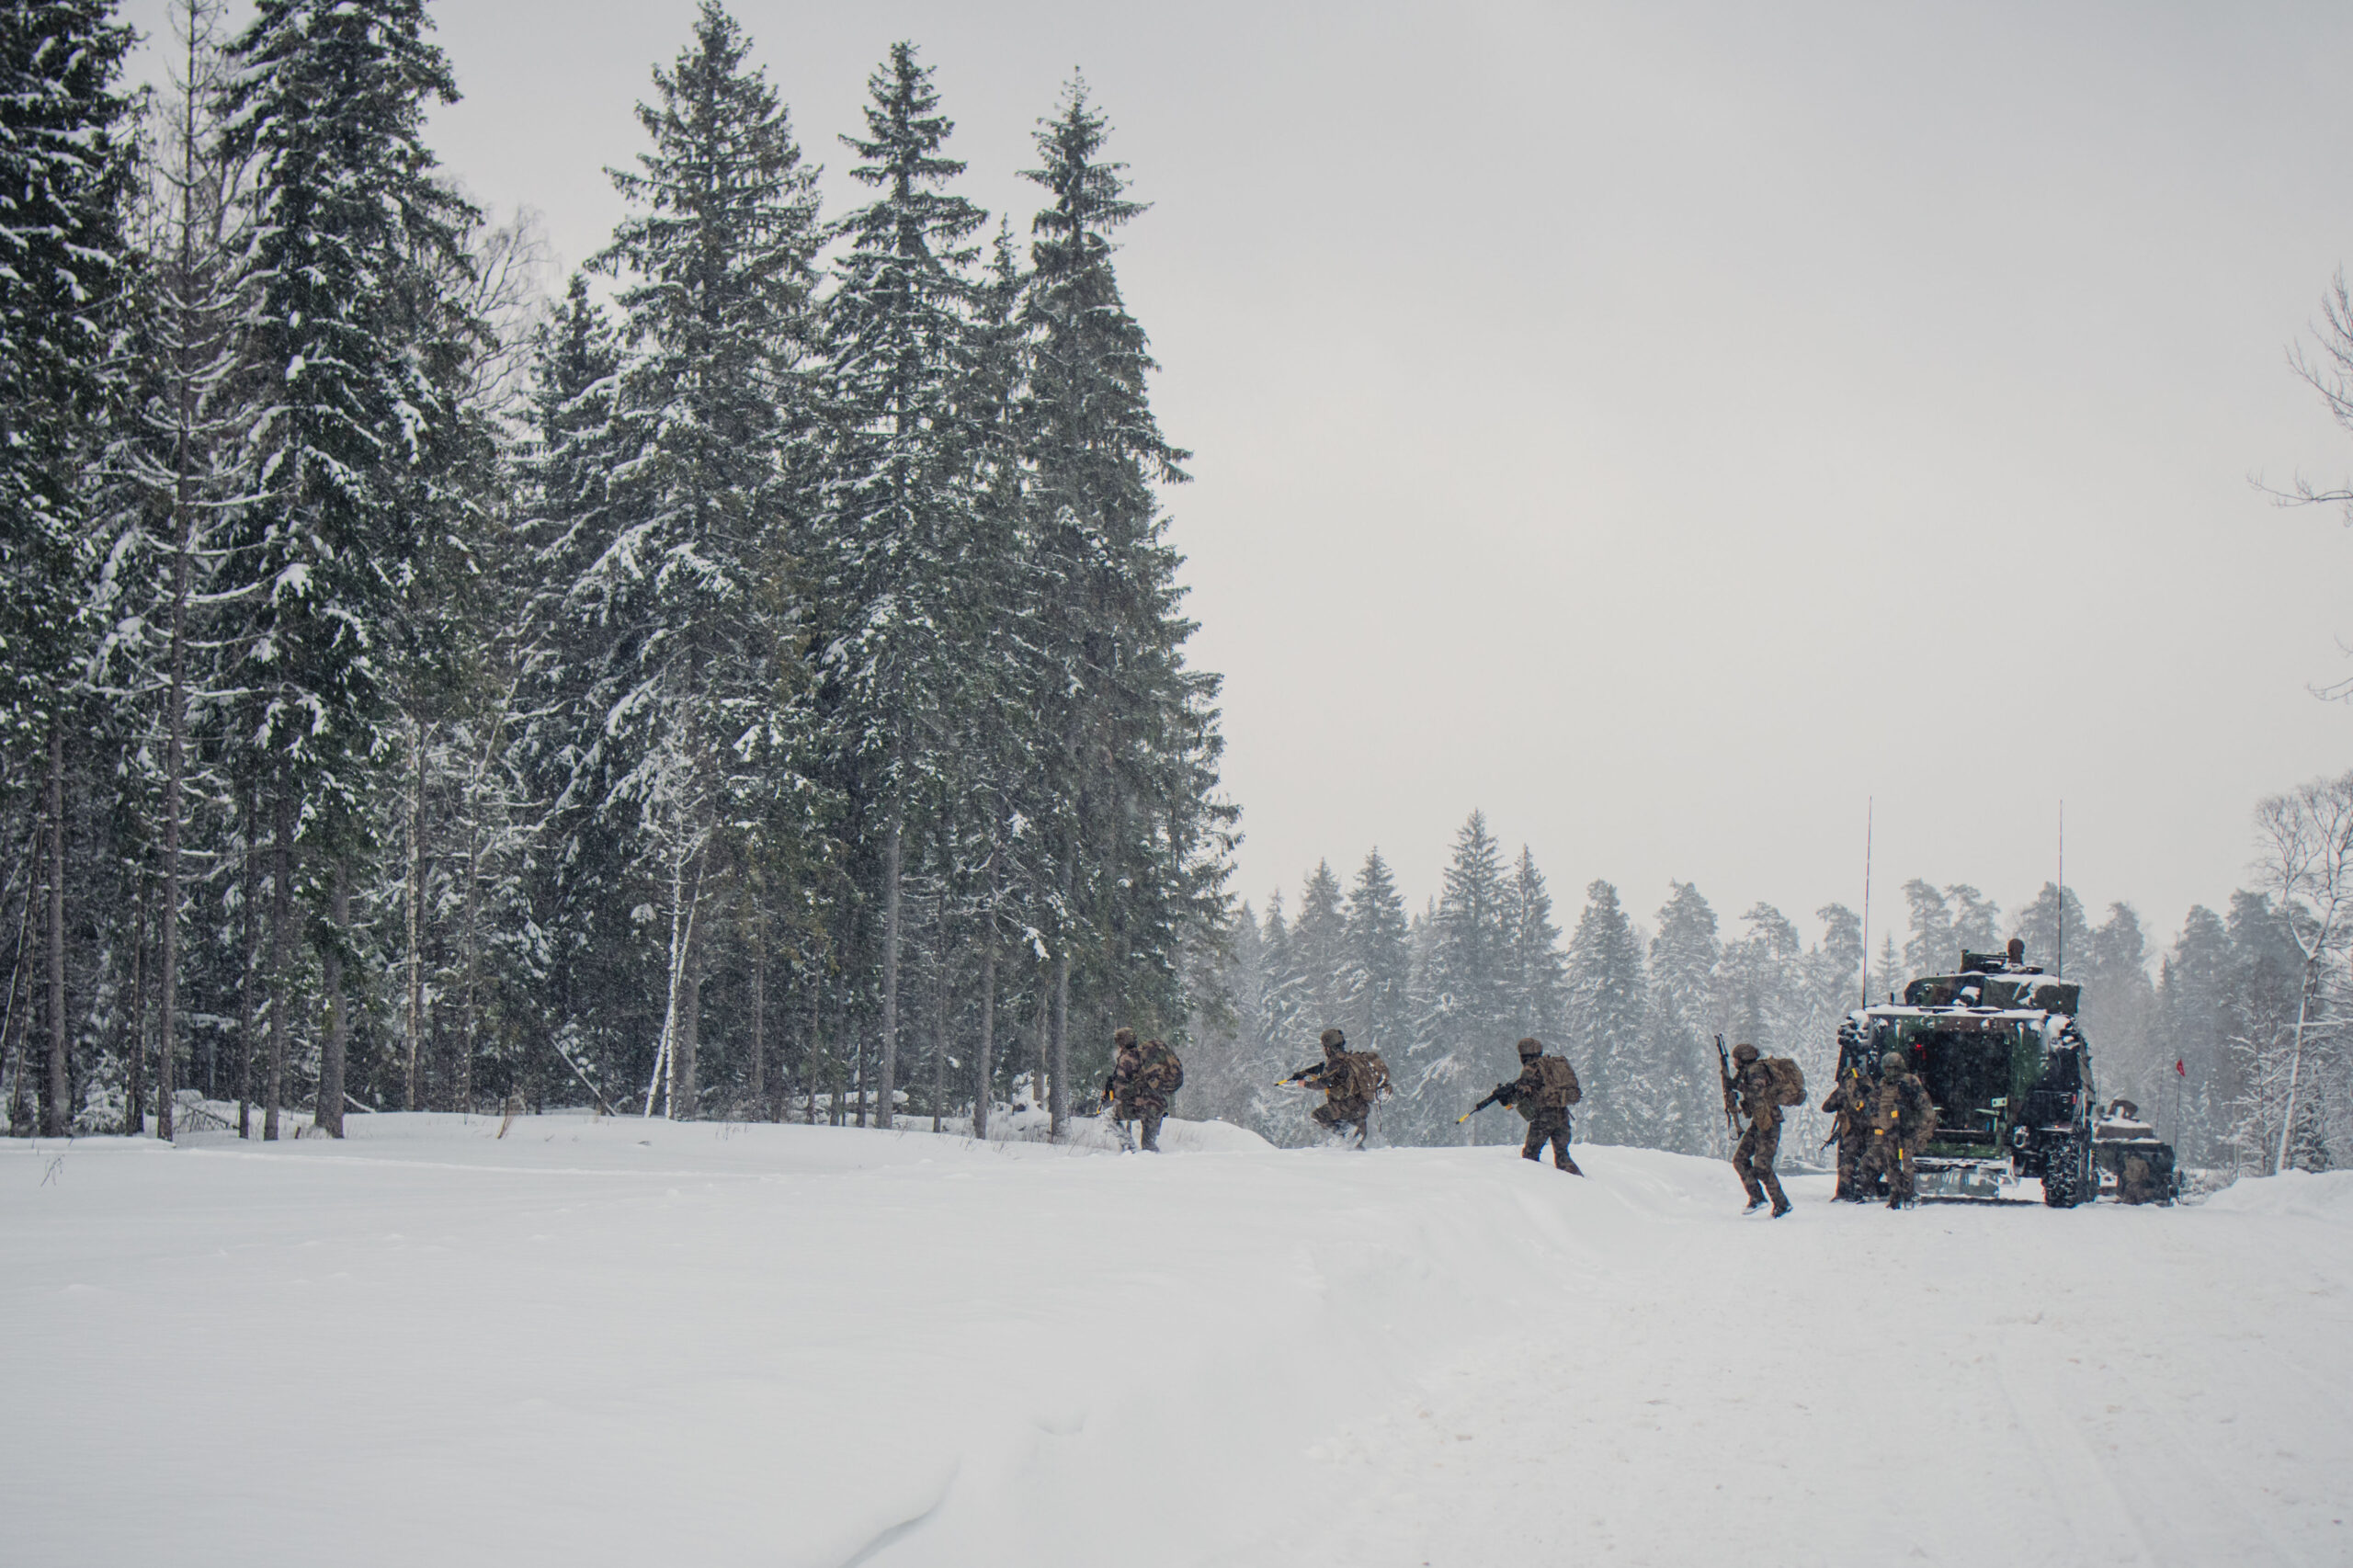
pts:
[615, 1340]
[2324, 1195]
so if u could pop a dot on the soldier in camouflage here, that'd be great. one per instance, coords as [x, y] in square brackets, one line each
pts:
[1899, 1117]
[1142, 1080]
[1848, 1107]
[1752, 1159]
[1546, 1089]
[1349, 1080]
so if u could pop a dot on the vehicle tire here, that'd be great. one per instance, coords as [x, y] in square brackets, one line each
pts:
[2069, 1179]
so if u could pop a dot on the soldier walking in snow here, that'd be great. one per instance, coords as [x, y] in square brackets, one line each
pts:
[1545, 1089]
[1760, 1102]
[1143, 1078]
[1848, 1107]
[1351, 1081]
[1899, 1117]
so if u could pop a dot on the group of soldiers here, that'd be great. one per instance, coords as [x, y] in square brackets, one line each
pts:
[1878, 1119]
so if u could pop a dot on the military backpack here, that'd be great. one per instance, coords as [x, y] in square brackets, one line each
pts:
[1787, 1080]
[1560, 1090]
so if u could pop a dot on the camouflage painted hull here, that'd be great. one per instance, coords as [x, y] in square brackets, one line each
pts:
[1983, 1181]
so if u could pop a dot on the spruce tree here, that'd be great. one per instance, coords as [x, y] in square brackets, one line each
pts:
[1138, 839]
[2057, 934]
[1686, 1010]
[1606, 1006]
[898, 547]
[67, 166]
[1468, 1029]
[355, 234]
[1379, 963]
[717, 262]
[1319, 948]
[1538, 967]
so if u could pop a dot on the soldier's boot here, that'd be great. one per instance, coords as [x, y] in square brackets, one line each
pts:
[1780, 1198]
[1756, 1199]
[1568, 1164]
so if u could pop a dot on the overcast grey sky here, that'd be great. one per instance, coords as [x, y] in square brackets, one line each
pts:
[1667, 426]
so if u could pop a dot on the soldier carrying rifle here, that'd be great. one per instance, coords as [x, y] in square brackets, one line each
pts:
[1545, 1089]
[1351, 1081]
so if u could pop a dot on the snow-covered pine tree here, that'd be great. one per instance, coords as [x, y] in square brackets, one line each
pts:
[66, 167]
[907, 612]
[1379, 963]
[184, 457]
[1139, 841]
[581, 874]
[1539, 968]
[1760, 994]
[354, 233]
[1685, 1013]
[1607, 1008]
[1467, 1033]
[2192, 1028]
[2119, 1010]
[2057, 934]
[717, 260]
[1319, 950]
[1929, 949]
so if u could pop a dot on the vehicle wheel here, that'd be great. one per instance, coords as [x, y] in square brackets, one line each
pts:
[2069, 1180]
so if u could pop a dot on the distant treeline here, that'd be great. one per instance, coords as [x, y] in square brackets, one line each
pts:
[1442, 994]
[723, 688]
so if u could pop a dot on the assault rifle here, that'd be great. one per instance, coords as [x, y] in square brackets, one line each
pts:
[1502, 1094]
[1308, 1077]
[1724, 1062]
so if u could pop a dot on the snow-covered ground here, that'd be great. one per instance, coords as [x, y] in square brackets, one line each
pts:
[638, 1343]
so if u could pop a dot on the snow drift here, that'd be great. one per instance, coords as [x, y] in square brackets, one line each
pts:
[600, 1341]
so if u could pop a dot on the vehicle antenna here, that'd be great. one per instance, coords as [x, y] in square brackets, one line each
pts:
[2059, 943]
[1867, 803]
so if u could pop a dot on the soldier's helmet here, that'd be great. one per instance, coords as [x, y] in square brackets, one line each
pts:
[1892, 1062]
[1334, 1040]
[1744, 1053]
[1529, 1047]
[1124, 1039]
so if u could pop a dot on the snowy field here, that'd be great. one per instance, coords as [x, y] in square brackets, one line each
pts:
[653, 1343]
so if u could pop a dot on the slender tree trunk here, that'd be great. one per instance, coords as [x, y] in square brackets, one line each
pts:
[329, 1114]
[2296, 1063]
[281, 957]
[134, 1096]
[416, 916]
[17, 1023]
[685, 1102]
[756, 1078]
[985, 1068]
[891, 845]
[471, 1013]
[939, 1018]
[60, 1115]
[1058, 1098]
[247, 1011]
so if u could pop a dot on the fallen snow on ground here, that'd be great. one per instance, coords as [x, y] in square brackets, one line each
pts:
[644, 1343]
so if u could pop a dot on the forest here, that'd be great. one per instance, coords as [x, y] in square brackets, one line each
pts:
[748, 679]
[2243, 1001]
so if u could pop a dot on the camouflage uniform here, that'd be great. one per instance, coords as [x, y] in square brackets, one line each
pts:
[1898, 1118]
[1349, 1081]
[1142, 1079]
[1547, 1109]
[1158, 1077]
[1751, 1158]
[1848, 1102]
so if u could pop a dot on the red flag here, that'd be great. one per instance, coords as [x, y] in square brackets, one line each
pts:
[2179, 1070]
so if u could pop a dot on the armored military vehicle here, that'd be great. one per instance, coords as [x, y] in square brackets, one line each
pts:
[2011, 1074]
